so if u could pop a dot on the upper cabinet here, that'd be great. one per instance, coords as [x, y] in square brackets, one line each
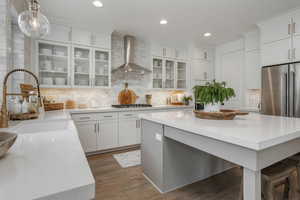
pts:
[279, 41]
[275, 29]
[167, 52]
[169, 74]
[82, 37]
[201, 54]
[59, 33]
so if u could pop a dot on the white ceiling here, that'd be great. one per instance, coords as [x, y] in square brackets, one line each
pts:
[188, 19]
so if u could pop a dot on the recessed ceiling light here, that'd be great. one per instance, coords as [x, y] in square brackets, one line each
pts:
[98, 3]
[163, 21]
[207, 34]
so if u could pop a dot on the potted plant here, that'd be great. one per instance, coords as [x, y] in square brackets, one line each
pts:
[187, 99]
[212, 95]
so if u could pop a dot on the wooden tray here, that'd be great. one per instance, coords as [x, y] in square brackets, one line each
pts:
[222, 115]
[26, 116]
[54, 106]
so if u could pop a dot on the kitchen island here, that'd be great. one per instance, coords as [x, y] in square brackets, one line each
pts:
[179, 149]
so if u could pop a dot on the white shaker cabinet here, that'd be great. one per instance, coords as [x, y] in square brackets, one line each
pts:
[276, 29]
[276, 52]
[296, 21]
[107, 134]
[128, 132]
[252, 70]
[102, 41]
[59, 33]
[82, 37]
[296, 48]
[88, 135]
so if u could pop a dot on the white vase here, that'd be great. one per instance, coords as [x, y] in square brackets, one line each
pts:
[212, 107]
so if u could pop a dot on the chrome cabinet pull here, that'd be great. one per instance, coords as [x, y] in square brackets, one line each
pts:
[294, 27]
[108, 116]
[84, 118]
[95, 128]
[289, 29]
[289, 54]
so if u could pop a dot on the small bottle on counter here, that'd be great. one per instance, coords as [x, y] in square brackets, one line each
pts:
[24, 107]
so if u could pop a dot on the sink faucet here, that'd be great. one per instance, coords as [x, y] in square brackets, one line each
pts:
[4, 113]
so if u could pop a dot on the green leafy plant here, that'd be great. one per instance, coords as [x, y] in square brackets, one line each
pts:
[215, 92]
[187, 98]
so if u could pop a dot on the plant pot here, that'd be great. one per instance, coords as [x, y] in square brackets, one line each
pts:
[187, 103]
[212, 107]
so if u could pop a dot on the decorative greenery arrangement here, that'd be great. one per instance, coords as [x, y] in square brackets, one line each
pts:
[213, 93]
[187, 99]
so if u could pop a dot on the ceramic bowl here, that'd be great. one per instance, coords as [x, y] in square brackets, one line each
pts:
[6, 142]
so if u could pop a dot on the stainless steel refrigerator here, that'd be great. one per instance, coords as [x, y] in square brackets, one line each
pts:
[281, 90]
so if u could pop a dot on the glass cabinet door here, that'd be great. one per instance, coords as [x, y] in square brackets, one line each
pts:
[82, 66]
[53, 64]
[101, 68]
[181, 75]
[170, 74]
[157, 73]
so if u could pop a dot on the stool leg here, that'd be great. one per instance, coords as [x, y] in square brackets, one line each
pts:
[298, 176]
[269, 192]
[292, 181]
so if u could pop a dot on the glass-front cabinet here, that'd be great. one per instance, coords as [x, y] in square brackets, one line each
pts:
[157, 73]
[181, 75]
[101, 69]
[53, 64]
[169, 74]
[82, 66]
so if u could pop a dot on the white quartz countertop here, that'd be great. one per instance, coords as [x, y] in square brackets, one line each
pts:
[254, 131]
[111, 109]
[46, 162]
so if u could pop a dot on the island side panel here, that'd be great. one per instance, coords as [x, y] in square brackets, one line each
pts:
[152, 152]
[183, 165]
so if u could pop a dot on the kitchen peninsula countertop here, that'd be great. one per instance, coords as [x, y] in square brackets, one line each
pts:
[46, 162]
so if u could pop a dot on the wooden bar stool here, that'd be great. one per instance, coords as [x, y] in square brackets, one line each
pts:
[279, 174]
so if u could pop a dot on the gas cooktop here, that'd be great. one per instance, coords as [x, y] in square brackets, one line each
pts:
[132, 106]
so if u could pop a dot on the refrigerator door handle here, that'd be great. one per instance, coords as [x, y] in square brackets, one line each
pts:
[287, 112]
[294, 93]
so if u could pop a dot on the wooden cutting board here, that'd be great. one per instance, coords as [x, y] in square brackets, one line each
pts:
[127, 96]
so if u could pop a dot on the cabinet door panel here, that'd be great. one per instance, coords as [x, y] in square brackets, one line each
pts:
[87, 135]
[108, 134]
[275, 52]
[81, 37]
[297, 48]
[59, 33]
[275, 29]
[296, 19]
[127, 132]
[232, 64]
[253, 69]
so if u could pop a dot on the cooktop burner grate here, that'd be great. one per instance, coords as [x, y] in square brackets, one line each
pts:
[132, 106]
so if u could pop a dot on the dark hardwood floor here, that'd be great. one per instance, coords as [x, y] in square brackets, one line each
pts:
[116, 183]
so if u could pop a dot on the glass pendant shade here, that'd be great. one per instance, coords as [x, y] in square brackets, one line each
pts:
[33, 23]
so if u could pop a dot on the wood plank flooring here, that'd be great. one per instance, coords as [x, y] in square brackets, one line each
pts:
[116, 183]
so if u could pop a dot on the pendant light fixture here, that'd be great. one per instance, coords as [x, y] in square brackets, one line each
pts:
[32, 22]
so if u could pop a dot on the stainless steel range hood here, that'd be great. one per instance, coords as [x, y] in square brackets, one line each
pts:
[129, 65]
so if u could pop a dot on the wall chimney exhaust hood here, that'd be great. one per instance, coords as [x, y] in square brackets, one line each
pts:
[129, 65]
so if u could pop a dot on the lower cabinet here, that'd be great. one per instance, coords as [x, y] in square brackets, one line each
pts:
[107, 134]
[87, 132]
[128, 132]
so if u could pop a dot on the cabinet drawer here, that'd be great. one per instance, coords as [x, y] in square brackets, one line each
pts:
[105, 116]
[124, 115]
[82, 117]
[94, 116]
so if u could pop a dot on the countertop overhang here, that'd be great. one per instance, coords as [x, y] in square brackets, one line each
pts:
[254, 131]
